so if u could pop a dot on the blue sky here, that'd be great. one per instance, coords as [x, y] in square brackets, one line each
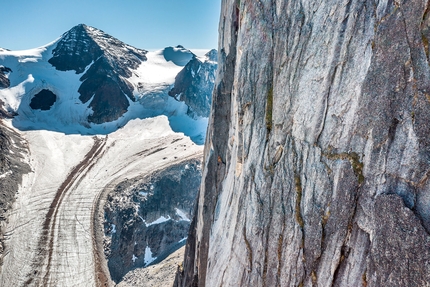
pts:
[145, 24]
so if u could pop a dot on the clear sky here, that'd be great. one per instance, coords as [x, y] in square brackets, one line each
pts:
[145, 24]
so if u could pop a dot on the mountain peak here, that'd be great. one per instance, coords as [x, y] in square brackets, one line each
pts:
[75, 50]
[83, 44]
[107, 63]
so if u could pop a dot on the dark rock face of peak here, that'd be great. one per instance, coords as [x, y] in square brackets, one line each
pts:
[195, 83]
[82, 45]
[317, 152]
[106, 78]
[178, 55]
[4, 81]
[75, 51]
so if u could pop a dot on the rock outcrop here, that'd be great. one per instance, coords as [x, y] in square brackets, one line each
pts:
[147, 218]
[12, 168]
[157, 275]
[317, 156]
[4, 81]
[195, 83]
[105, 82]
[43, 100]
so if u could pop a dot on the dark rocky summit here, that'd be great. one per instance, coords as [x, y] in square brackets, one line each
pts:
[134, 234]
[105, 81]
[317, 154]
[12, 168]
[43, 100]
[195, 83]
[4, 81]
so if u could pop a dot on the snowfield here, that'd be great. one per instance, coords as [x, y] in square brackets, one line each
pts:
[50, 238]
[152, 80]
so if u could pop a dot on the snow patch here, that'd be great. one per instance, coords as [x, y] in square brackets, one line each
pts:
[134, 258]
[161, 219]
[182, 215]
[5, 174]
[148, 256]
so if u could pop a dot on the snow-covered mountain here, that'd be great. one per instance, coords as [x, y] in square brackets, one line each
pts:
[89, 82]
[87, 123]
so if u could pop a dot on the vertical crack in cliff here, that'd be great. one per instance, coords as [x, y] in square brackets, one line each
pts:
[424, 29]
[248, 247]
[269, 111]
[46, 241]
[336, 61]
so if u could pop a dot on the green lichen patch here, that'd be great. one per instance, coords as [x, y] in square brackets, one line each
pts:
[298, 184]
[354, 160]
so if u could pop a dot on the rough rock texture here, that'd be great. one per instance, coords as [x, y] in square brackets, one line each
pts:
[105, 81]
[147, 218]
[4, 81]
[4, 113]
[195, 83]
[12, 168]
[159, 275]
[317, 155]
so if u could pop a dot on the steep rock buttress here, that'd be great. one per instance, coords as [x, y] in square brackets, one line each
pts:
[317, 155]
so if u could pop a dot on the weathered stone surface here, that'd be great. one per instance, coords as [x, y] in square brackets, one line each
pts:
[159, 275]
[317, 155]
[147, 217]
[195, 83]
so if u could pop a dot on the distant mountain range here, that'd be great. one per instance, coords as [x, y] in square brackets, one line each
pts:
[89, 82]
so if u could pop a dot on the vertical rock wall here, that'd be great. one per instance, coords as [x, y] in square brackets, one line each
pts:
[317, 155]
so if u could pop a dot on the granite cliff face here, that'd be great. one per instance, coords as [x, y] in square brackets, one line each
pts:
[317, 156]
